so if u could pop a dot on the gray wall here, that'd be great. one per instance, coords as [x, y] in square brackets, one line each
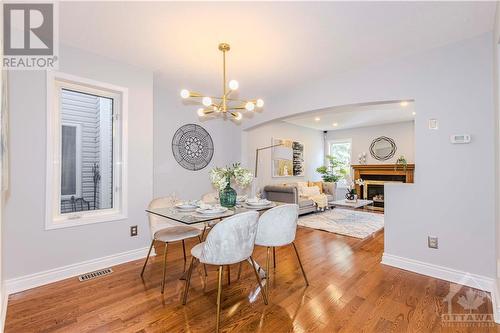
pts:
[28, 247]
[453, 84]
[170, 113]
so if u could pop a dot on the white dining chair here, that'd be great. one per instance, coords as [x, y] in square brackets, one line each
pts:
[277, 227]
[229, 242]
[209, 198]
[166, 231]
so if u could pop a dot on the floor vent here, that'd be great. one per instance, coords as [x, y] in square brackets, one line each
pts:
[95, 275]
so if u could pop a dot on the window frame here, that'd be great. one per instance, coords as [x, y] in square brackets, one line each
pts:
[56, 81]
[338, 141]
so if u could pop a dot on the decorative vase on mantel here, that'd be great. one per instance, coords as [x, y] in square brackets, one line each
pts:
[228, 195]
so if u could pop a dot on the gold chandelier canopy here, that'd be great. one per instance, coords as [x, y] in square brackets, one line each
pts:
[223, 105]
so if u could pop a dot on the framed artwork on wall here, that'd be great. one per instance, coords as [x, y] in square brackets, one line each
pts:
[287, 158]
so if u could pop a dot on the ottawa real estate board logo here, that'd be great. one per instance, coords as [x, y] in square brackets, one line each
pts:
[30, 34]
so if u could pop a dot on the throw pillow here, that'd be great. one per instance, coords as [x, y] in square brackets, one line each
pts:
[318, 184]
[300, 187]
[310, 191]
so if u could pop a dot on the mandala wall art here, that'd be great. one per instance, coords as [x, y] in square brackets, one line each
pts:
[192, 147]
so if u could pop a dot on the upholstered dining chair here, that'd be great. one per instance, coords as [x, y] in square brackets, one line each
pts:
[277, 227]
[229, 242]
[209, 198]
[166, 231]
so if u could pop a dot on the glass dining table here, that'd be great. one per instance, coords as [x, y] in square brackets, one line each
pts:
[193, 217]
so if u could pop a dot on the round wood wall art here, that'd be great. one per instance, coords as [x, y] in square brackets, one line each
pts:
[192, 147]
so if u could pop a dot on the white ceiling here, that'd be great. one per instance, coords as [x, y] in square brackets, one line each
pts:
[354, 116]
[275, 45]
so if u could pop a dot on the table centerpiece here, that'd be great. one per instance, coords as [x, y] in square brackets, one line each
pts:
[221, 179]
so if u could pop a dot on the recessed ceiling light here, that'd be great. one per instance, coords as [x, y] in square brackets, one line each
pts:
[335, 124]
[317, 119]
[413, 113]
[403, 103]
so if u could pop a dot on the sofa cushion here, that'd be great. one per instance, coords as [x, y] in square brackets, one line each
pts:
[318, 184]
[310, 191]
[303, 202]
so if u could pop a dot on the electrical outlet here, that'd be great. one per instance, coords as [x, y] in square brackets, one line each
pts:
[432, 242]
[133, 230]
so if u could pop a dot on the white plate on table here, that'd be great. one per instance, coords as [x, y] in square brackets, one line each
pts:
[211, 211]
[269, 205]
[186, 206]
[258, 203]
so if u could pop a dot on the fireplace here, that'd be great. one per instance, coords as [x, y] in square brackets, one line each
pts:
[376, 175]
[374, 190]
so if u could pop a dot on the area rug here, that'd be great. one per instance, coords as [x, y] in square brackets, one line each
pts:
[346, 222]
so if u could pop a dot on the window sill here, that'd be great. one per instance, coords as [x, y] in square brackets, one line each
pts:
[76, 221]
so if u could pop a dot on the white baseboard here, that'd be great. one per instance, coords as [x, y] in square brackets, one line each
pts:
[440, 272]
[38, 279]
[448, 274]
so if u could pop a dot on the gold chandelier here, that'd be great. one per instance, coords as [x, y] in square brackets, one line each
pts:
[225, 104]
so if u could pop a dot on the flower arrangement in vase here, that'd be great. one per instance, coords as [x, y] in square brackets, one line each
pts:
[221, 179]
[351, 189]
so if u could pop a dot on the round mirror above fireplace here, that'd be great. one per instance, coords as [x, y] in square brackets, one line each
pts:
[383, 148]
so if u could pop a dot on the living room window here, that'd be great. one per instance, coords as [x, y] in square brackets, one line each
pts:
[86, 139]
[341, 150]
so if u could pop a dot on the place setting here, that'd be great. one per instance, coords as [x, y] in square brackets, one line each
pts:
[257, 203]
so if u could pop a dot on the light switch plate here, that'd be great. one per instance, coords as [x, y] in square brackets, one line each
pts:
[433, 124]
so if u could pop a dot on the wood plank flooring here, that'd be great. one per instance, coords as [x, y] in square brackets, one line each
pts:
[350, 291]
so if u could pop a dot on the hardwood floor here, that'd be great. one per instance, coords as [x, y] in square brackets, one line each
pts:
[350, 291]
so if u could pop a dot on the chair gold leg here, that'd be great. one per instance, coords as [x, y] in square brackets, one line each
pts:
[164, 268]
[300, 263]
[274, 257]
[203, 232]
[188, 281]
[219, 292]
[149, 253]
[258, 281]
[228, 275]
[239, 270]
[268, 271]
[184, 250]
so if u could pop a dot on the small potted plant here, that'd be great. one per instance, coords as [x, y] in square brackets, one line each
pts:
[401, 161]
[221, 179]
[332, 172]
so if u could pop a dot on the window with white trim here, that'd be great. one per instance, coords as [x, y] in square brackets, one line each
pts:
[341, 150]
[86, 153]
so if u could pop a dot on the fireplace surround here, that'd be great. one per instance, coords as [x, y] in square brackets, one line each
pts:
[376, 175]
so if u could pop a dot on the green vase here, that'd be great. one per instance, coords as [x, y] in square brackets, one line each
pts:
[228, 195]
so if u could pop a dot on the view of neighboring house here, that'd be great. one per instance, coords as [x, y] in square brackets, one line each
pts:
[86, 151]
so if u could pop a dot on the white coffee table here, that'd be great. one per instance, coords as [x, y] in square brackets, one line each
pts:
[357, 204]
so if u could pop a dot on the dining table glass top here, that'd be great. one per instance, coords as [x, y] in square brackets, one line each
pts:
[193, 217]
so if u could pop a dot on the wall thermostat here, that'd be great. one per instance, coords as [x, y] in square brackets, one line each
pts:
[460, 138]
